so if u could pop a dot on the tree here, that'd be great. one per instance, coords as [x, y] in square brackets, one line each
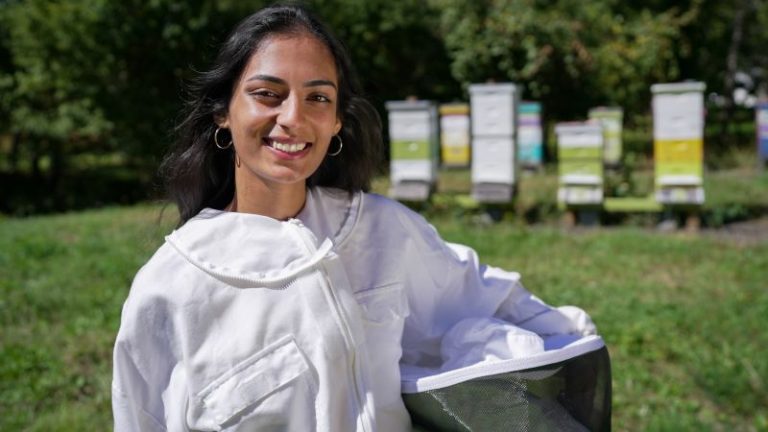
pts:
[49, 97]
[725, 40]
[154, 48]
[395, 47]
[570, 54]
[97, 77]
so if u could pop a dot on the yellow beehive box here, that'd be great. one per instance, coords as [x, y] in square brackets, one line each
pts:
[681, 150]
[454, 135]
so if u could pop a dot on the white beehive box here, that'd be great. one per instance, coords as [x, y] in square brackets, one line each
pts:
[493, 120]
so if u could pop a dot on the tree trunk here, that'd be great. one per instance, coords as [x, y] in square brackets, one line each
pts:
[13, 158]
[56, 173]
[35, 158]
[732, 64]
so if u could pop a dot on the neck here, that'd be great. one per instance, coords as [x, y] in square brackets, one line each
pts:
[280, 202]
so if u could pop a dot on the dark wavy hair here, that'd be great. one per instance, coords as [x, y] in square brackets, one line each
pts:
[197, 174]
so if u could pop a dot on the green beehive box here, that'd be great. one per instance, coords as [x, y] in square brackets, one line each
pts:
[580, 163]
[414, 146]
[410, 150]
[585, 169]
[611, 119]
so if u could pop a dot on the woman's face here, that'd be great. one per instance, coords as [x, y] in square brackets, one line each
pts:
[282, 114]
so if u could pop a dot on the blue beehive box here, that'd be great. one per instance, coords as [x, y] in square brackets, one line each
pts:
[761, 114]
[530, 149]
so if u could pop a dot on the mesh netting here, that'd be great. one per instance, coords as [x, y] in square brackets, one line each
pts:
[574, 395]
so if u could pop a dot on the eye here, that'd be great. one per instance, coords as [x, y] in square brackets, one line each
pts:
[264, 94]
[318, 97]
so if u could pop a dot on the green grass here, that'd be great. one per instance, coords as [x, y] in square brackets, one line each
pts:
[684, 316]
[62, 282]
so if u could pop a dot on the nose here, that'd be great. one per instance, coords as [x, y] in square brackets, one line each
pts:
[290, 115]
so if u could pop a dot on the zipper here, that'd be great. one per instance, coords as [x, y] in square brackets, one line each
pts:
[310, 244]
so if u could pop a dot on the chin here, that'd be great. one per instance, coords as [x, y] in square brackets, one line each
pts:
[288, 178]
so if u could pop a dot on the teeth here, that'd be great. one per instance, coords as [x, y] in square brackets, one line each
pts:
[289, 148]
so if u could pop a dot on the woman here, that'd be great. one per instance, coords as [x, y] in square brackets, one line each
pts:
[287, 298]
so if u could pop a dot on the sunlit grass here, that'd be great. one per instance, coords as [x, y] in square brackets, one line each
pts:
[684, 315]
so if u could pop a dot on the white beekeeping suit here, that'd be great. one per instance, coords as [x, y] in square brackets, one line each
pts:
[242, 322]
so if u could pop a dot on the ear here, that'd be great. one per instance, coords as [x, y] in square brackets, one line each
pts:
[337, 126]
[221, 120]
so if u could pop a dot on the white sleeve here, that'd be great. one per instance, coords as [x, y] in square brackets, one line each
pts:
[143, 362]
[128, 389]
[524, 309]
[446, 284]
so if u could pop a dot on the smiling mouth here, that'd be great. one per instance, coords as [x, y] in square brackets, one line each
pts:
[286, 147]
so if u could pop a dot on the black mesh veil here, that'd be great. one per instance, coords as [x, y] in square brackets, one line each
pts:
[572, 395]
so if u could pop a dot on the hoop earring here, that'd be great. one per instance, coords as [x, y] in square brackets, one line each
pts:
[341, 145]
[216, 140]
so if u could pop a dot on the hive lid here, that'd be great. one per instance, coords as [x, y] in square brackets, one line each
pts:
[678, 87]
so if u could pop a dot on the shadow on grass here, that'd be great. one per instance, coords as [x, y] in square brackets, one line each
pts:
[546, 211]
[24, 195]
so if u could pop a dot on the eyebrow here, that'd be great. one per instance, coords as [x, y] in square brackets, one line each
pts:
[276, 80]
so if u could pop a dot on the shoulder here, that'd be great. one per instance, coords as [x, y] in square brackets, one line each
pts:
[159, 270]
[154, 278]
[379, 207]
[164, 282]
[384, 217]
[364, 201]
[375, 204]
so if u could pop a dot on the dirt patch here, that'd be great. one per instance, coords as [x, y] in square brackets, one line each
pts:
[749, 232]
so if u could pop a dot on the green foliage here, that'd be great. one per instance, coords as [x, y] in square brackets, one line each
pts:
[735, 195]
[572, 55]
[47, 95]
[99, 75]
[395, 47]
[707, 35]
[105, 78]
[89, 72]
[156, 46]
[634, 54]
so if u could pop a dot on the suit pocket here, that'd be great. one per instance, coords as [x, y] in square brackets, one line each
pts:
[383, 305]
[274, 389]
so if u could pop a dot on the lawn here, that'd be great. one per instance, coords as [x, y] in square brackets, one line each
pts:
[684, 315]
[62, 283]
